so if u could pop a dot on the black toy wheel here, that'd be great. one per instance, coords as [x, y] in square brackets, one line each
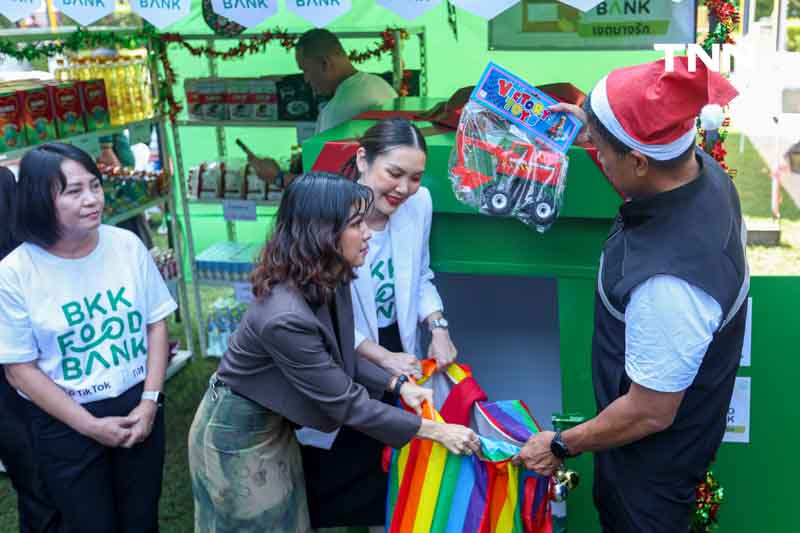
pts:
[543, 212]
[497, 202]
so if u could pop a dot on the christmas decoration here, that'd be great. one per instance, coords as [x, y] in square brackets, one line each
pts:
[709, 497]
[723, 16]
[82, 40]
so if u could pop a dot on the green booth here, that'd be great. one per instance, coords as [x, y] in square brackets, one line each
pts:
[521, 307]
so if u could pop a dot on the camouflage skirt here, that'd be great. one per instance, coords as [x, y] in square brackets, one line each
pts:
[247, 474]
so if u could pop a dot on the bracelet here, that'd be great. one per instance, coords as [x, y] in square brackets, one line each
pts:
[401, 379]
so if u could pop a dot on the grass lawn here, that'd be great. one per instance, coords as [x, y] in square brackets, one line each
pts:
[187, 387]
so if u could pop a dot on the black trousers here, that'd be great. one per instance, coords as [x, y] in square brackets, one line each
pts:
[346, 485]
[99, 489]
[37, 511]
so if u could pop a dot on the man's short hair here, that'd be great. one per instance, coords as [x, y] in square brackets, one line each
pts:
[623, 149]
[319, 43]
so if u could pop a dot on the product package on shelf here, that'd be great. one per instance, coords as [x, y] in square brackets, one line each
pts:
[268, 98]
[69, 114]
[232, 179]
[125, 189]
[95, 104]
[11, 121]
[296, 100]
[165, 262]
[223, 320]
[38, 115]
[205, 180]
[227, 261]
[509, 158]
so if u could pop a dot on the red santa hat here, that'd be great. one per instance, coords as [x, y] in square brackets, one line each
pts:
[654, 111]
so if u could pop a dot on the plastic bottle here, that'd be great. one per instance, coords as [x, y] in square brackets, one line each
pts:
[148, 106]
[133, 84]
[62, 72]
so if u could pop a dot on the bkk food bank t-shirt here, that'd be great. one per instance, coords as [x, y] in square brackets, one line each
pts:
[84, 321]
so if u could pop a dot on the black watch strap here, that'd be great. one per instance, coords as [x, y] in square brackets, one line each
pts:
[558, 447]
[402, 378]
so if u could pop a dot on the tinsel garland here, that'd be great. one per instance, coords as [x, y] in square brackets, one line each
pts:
[82, 39]
[723, 16]
[708, 497]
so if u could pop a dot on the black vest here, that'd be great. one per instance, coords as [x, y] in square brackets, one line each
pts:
[695, 233]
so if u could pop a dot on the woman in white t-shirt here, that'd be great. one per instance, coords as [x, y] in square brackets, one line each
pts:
[392, 295]
[83, 337]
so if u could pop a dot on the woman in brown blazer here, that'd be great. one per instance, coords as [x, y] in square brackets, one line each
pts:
[291, 363]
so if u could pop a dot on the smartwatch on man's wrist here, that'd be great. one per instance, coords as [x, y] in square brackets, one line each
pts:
[559, 448]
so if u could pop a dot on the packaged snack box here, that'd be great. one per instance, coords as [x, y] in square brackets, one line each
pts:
[241, 100]
[213, 92]
[193, 99]
[265, 97]
[12, 134]
[66, 99]
[38, 117]
[296, 100]
[94, 99]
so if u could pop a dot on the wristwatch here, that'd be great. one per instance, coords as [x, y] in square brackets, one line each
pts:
[438, 323]
[559, 447]
[155, 396]
[401, 379]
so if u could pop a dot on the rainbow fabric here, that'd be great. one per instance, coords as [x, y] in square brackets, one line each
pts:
[432, 490]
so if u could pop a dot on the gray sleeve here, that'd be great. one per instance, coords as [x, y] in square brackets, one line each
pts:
[301, 355]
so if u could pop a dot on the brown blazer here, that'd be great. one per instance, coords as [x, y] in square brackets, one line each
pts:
[286, 356]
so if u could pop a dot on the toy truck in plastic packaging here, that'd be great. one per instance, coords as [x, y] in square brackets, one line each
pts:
[509, 157]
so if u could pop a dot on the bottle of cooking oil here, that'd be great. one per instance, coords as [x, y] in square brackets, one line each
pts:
[134, 86]
[61, 72]
[81, 69]
[119, 93]
[147, 87]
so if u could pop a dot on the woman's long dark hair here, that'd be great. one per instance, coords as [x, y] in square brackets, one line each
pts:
[383, 137]
[304, 247]
[8, 188]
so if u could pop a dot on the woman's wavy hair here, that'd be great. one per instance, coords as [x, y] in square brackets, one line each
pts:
[383, 137]
[303, 250]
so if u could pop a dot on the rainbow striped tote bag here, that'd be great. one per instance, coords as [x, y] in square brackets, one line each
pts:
[432, 490]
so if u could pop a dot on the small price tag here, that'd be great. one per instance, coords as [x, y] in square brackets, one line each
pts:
[88, 143]
[243, 292]
[239, 209]
[140, 132]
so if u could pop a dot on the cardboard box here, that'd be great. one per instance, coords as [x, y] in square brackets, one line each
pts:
[94, 100]
[296, 100]
[67, 108]
[12, 133]
[207, 98]
[38, 117]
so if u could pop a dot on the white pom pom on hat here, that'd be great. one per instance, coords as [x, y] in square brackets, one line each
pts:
[711, 117]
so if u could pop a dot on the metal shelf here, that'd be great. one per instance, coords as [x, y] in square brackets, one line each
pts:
[19, 152]
[130, 213]
[218, 201]
[245, 123]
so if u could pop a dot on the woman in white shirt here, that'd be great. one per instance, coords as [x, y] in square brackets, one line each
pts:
[83, 337]
[392, 295]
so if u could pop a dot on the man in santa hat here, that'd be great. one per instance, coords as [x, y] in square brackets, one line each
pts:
[669, 313]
